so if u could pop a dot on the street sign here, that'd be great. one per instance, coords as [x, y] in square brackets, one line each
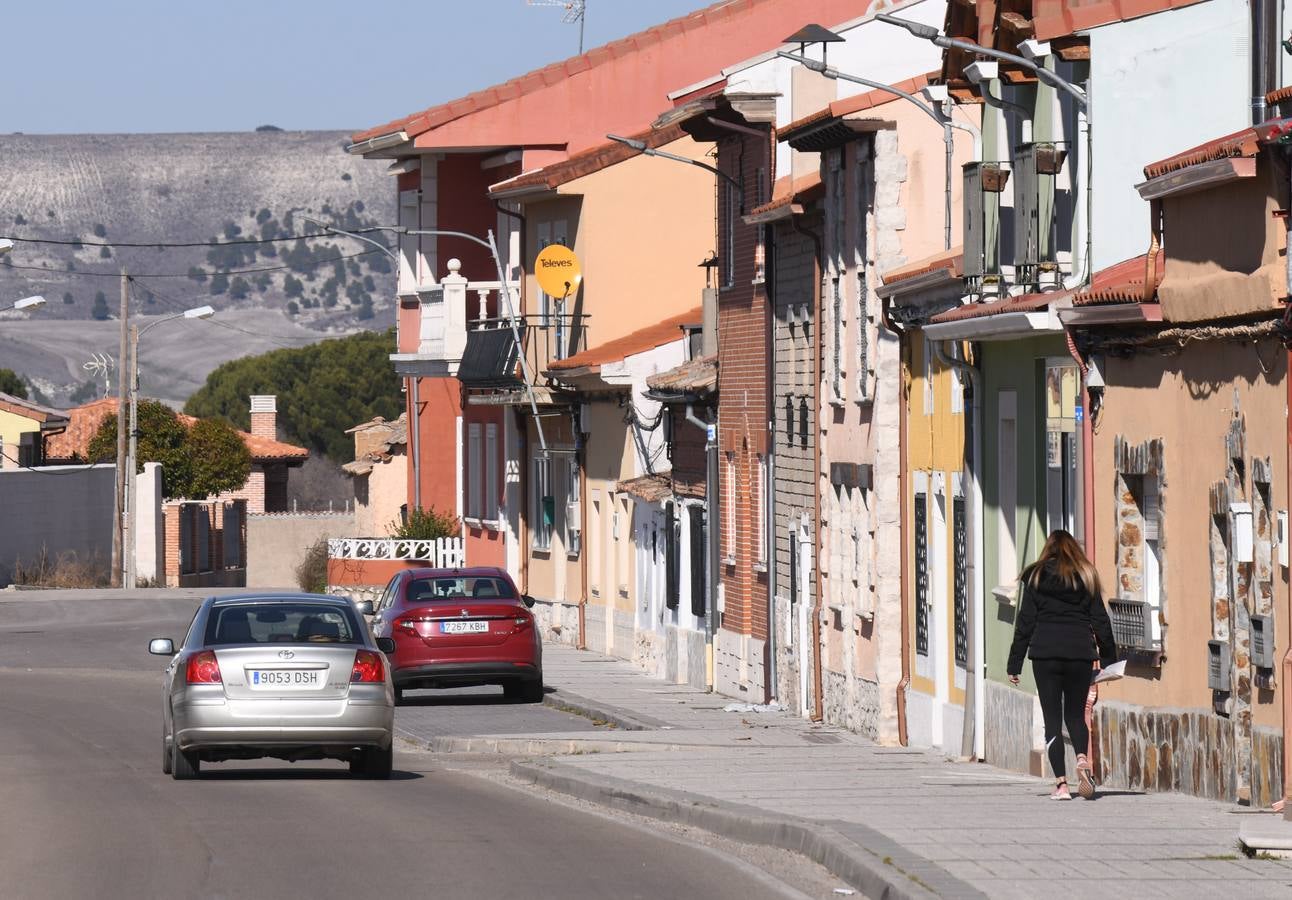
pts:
[558, 272]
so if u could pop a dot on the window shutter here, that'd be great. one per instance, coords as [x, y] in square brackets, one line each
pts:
[699, 582]
[670, 557]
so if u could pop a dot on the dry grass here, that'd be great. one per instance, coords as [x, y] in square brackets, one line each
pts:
[311, 572]
[67, 570]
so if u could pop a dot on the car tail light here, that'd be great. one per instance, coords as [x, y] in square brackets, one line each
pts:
[408, 626]
[368, 668]
[203, 668]
[523, 622]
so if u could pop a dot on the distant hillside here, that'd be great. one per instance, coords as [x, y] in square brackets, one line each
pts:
[180, 188]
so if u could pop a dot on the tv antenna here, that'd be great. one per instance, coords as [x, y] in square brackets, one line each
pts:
[101, 366]
[574, 10]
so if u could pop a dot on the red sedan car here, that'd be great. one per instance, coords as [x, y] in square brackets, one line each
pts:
[460, 628]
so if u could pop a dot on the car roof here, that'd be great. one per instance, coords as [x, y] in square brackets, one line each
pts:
[283, 597]
[464, 572]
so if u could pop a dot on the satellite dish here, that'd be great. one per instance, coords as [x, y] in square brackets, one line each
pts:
[558, 272]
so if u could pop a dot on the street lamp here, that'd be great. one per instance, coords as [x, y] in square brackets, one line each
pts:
[936, 111]
[644, 150]
[27, 303]
[490, 244]
[197, 312]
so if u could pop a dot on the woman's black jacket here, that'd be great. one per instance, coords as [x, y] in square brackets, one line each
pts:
[1058, 621]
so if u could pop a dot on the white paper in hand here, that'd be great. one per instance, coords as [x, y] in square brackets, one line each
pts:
[1110, 673]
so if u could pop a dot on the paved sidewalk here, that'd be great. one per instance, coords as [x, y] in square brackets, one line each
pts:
[896, 820]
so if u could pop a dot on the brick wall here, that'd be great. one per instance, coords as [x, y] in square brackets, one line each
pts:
[742, 385]
[688, 456]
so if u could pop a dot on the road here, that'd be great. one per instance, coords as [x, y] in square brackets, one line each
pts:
[87, 812]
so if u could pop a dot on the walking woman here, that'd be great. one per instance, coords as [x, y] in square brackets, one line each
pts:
[1060, 620]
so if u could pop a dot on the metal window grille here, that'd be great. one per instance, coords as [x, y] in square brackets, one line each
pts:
[543, 511]
[836, 341]
[961, 579]
[1130, 621]
[921, 575]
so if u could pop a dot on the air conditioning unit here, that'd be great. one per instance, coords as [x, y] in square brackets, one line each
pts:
[983, 182]
[1218, 665]
[1132, 625]
[1262, 641]
[1034, 167]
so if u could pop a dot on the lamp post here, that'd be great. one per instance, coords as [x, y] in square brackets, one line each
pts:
[25, 303]
[644, 150]
[197, 312]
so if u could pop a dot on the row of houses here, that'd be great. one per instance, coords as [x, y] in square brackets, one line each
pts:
[926, 293]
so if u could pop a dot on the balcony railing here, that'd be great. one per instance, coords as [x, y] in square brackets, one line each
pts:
[491, 358]
[446, 311]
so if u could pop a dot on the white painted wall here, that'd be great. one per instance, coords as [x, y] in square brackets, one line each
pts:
[1136, 66]
[648, 446]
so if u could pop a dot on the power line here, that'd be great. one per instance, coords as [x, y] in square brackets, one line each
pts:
[180, 306]
[230, 243]
[77, 273]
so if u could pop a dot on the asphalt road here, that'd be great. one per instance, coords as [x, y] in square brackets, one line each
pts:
[85, 810]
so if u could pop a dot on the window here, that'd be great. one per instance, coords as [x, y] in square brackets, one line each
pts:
[298, 623]
[957, 392]
[474, 463]
[442, 588]
[409, 217]
[729, 537]
[542, 509]
[1007, 479]
[760, 505]
[672, 556]
[863, 338]
[921, 514]
[573, 510]
[861, 206]
[491, 512]
[699, 576]
[960, 587]
[836, 341]
[623, 532]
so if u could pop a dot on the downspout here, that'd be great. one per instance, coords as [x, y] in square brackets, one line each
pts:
[768, 520]
[973, 741]
[712, 523]
[415, 429]
[903, 478]
[583, 546]
[1287, 377]
[818, 702]
[522, 433]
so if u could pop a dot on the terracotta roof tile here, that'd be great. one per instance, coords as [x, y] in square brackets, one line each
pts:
[952, 260]
[435, 116]
[1240, 144]
[650, 488]
[788, 189]
[587, 162]
[1123, 282]
[854, 104]
[1279, 95]
[84, 421]
[34, 411]
[696, 376]
[639, 341]
[1021, 303]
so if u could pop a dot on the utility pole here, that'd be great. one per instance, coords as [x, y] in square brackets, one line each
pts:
[118, 535]
[132, 508]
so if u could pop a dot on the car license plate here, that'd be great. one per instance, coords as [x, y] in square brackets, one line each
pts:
[464, 627]
[284, 679]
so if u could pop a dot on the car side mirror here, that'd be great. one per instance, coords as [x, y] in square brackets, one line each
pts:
[161, 647]
[527, 600]
[386, 645]
[364, 607]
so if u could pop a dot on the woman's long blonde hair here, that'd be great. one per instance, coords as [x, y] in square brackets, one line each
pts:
[1070, 564]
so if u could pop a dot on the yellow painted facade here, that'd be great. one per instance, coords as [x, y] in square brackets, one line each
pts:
[12, 427]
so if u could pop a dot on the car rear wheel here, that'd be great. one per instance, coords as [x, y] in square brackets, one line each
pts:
[399, 695]
[373, 762]
[524, 691]
[166, 763]
[183, 765]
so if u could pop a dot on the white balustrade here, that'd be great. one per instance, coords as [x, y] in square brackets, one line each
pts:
[442, 553]
[446, 312]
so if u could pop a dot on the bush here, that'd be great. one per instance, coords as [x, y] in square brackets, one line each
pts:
[19, 219]
[100, 310]
[12, 384]
[100, 231]
[311, 572]
[292, 308]
[105, 253]
[425, 525]
[68, 298]
[219, 283]
[239, 289]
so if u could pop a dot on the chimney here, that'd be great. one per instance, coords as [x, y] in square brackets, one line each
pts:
[264, 416]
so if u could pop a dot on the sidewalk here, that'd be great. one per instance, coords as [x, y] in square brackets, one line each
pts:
[890, 821]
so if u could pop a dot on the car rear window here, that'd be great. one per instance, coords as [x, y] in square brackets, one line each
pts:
[430, 590]
[281, 623]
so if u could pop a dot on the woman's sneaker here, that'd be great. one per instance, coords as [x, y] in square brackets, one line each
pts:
[1061, 792]
[1085, 778]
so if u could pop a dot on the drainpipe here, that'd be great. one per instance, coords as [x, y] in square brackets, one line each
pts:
[818, 702]
[712, 524]
[973, 738]
[903, 479]
[415, 430]
[522, 434]
[767, 497]
[583, 546]
[1287, 377]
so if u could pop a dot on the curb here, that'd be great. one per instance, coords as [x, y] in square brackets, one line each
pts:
[878, 868]
[540, 746]
[591, 709]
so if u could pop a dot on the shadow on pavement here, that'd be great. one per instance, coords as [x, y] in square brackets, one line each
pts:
[294, 775]
[455, 698]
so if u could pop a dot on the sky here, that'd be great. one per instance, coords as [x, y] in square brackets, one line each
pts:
[231, 65]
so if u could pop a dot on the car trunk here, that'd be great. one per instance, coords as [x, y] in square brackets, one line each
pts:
[305, 672]
[462, 625]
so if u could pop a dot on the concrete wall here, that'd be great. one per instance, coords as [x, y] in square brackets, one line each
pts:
[67, 509]
[277, 542]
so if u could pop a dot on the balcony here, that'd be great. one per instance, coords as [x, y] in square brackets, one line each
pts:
[447, 310]
[491, 358]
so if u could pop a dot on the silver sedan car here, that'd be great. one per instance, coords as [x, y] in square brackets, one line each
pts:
[291, 676]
